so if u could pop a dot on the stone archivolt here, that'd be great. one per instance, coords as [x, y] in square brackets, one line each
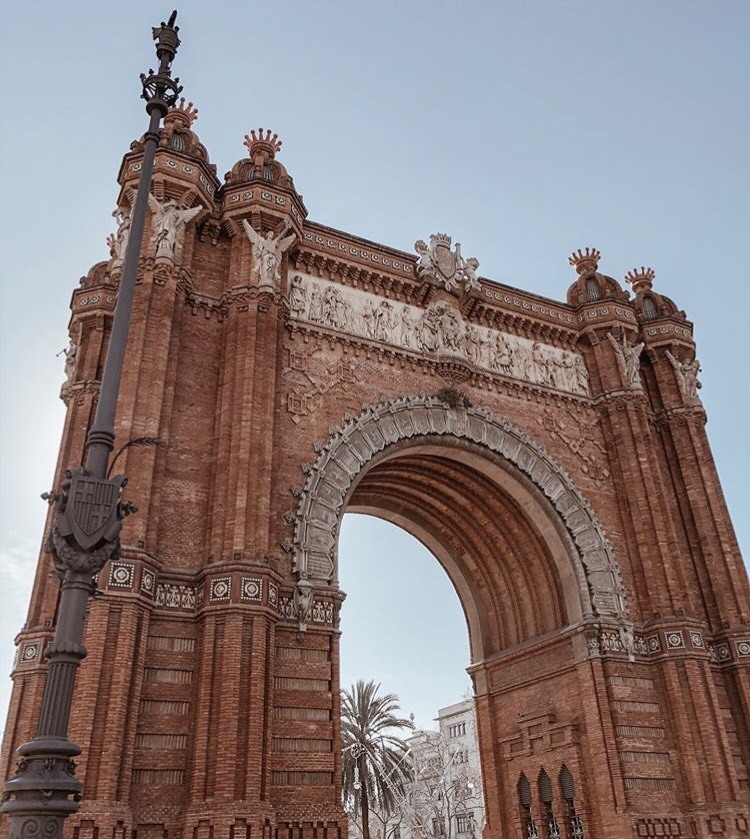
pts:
[350, 449]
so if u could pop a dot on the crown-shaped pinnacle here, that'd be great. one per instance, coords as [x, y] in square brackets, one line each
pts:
[640, 279]
[184, 109]
[262, 141]
[585, 260]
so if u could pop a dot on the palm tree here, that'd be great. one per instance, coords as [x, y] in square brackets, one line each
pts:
[373, 755]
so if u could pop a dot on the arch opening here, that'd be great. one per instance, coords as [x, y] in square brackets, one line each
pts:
[505, 557]
[472, 487]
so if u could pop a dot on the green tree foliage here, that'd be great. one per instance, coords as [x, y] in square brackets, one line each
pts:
[374, 770]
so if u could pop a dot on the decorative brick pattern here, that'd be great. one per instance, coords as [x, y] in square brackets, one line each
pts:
[555, 451]
[221, 589]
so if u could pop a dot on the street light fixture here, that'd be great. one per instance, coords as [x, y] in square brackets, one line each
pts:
[85, 530]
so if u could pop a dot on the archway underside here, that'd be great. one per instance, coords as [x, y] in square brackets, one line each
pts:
[499, 562]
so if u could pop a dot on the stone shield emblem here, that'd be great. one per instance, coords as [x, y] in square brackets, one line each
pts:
[92, 508]
[445, 260]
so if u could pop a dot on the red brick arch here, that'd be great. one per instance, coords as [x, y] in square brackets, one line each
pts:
[498, 512]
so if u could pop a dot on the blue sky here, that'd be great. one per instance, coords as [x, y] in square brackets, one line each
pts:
[524, 129]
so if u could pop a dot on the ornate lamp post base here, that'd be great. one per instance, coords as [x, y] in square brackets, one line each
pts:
[45, 791]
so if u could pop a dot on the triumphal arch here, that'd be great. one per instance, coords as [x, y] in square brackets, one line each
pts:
[552, 455]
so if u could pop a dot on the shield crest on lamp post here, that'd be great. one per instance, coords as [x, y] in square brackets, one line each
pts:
[91, 508]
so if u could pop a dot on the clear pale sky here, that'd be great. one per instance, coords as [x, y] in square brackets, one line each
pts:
[524, 129]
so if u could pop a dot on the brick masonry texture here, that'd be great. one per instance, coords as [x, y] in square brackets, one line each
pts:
[584, 528]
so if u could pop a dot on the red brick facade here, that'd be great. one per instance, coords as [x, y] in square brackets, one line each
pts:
[560, 472]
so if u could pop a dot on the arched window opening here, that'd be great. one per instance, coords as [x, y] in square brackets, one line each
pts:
[524, 799]
[178, 142]
[649, 308]
[567, 790]
[545, 796]
[592, 289]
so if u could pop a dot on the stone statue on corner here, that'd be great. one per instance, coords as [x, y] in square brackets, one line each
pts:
[71, 353]
[118, 242]
[687, 378]
[169, 224]
[268, 251]
[628, 358]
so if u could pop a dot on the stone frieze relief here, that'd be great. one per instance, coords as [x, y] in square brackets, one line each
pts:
[438, 330]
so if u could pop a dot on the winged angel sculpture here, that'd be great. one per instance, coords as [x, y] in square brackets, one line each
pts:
[169, 224]
[268, 251]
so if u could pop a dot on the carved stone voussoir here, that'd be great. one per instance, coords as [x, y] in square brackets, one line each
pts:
[343, 456]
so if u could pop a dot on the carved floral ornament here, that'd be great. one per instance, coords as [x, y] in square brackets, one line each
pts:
[330, 479]
[436, 331]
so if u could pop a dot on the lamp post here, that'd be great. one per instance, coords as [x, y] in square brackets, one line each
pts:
[85, 530]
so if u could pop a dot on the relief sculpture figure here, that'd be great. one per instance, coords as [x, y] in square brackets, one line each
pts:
[316, 304]
[297, 298]
[406, 328]
[581, 375]
[474, 344]
[268, 251]
[687, 377]
[541, 364]
[628, 358]
[502, 358]
[169, 224]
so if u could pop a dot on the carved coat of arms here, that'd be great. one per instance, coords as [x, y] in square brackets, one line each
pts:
[438, 262]
[91, 512]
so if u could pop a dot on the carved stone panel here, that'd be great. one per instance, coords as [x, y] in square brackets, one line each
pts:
[437, 331]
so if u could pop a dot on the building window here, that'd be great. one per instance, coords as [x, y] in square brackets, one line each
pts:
[396, 832]
[464, 822]
[438, 827]
[649, 308]
[545, 796]
[458, 729]
[524, 799]
[567, 788]
[177, 142]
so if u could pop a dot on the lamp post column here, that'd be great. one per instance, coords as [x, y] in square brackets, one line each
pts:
[85, 530]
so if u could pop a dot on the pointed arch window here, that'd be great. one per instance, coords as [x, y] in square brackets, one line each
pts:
[178, 142]
[567, 790]
[649, 308]
[524, 799]
[592, 289]
[545, 796]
